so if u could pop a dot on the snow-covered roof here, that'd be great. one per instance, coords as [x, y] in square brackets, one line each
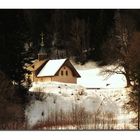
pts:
[51, 67]
[36, 64]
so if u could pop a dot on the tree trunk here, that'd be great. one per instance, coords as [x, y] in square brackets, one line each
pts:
[128, 80]
[127, 76]
[138, 112]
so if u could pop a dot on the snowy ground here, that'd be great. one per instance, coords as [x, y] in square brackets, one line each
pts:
[92, 77]
[63, 99]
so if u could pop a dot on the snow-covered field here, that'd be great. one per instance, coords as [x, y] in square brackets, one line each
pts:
[92, 77]
[68, 103]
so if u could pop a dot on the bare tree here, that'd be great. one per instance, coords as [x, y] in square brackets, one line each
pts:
[134, 60]
[123, 48]
[117, 48]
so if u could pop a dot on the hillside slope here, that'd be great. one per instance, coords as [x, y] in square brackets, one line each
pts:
[55, 103]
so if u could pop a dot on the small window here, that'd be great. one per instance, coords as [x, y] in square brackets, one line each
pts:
[61, 72]
[66, 73]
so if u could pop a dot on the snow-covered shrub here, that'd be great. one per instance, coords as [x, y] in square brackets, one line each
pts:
[38, 94]
[78, 119]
